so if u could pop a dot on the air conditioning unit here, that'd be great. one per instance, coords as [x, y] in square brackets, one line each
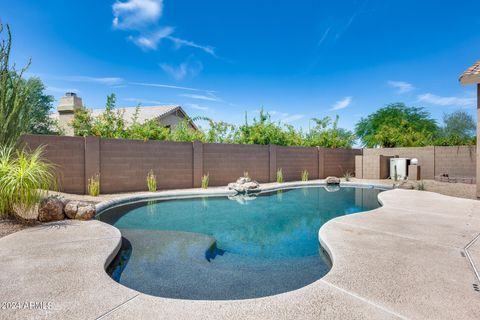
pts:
[399, 168]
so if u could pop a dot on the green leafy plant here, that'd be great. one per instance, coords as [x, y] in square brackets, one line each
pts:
[25, 178]
[305, 175]
[205, 180]
[151, 181]
[15, 111]
[279, 175]
[397, 125]
[94, 185]
[347, 175]
[420, 186]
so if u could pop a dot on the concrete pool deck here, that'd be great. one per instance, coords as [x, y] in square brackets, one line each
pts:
[405, 260]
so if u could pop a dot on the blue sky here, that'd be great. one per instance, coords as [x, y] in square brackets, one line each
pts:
[221, 58]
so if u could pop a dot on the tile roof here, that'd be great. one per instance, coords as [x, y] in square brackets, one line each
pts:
[144, 113]
[471, 75]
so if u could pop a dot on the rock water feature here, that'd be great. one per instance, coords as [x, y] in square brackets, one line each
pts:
[244, 185]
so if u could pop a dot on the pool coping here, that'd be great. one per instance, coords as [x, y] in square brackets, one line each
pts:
[223, 191]
[383, 268]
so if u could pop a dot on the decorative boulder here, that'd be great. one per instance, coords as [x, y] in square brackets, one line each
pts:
[85, 211]
[80, 210]
[71, 208]
[332, 180]
[26, 214]
[244, 185]
[50, 209]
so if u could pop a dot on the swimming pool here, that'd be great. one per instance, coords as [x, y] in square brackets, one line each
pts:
[215, 248]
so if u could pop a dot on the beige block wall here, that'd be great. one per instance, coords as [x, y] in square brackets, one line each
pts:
[459, 162]
[359, 166]
[456, 161]
[425, 156]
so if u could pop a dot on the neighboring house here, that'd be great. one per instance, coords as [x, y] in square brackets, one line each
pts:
[167, 115]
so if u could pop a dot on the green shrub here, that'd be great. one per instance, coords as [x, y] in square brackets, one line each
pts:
[205, 180]
[94, 186]
[279, 175]
[305, 175]
[151, 181]
[24, 178]
[420, 186]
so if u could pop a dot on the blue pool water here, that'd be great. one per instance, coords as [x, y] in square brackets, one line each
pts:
[221, 248]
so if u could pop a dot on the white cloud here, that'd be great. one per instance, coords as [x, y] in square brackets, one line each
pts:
[151, 41]
[144, 15]
[210, 97]
[61, 90]
[109, 81]
[401, 86]
[134, 14]
[293, 117]
[446, 101]
[342, 104]
[144, 101]
[181, 43]
[183, 70]
[324, 37]
[196, 106]
[167, 86]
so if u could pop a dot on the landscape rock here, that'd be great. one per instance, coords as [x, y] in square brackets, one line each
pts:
[50, 209]
[71, 208]
[244, 185]
[25, 214]
[85, 211]
[332, 180]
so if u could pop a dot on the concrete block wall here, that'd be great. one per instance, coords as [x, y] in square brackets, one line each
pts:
[456, 161]
[293, 160]
[339, 161]
[425, 156]
[68, 156]
[226, 162]
[124, 164]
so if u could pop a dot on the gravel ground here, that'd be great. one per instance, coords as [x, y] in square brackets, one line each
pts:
[8, 226]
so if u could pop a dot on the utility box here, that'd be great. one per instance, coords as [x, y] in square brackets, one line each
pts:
[414, 172]
[399, 168]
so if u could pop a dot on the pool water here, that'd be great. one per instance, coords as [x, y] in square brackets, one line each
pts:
[229, 248]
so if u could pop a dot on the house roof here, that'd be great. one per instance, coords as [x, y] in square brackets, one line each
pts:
[471, 75]
[144, 113]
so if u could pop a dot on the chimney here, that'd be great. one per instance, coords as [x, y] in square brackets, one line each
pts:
[66, 111]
